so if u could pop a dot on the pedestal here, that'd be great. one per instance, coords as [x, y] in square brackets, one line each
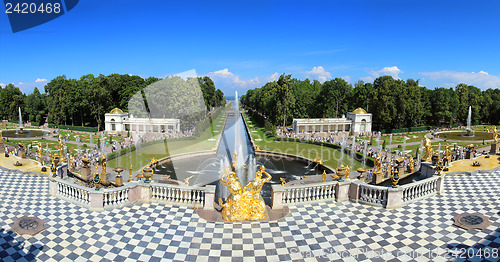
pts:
[493, 151]
[86, 174]
[427, 169]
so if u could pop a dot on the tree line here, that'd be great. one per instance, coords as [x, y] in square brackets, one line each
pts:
[394, 103]
[84, 101]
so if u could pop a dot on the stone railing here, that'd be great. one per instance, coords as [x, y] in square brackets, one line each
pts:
[356, 191]
[116, 197]
[308, 193]
[71, 192]
[421, 189]
[182, 195]
[373, 195]
[397, 197]
[132, 192]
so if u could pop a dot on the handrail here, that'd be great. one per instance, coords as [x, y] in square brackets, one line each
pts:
[313, 192]
[373, 195]
[182, 195]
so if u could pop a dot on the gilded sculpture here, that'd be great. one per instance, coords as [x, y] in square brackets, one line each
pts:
[378, 165]
[242, 204]
[428, 150]
[494, 132]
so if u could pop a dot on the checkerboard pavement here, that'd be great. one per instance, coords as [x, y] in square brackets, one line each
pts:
[314, 232]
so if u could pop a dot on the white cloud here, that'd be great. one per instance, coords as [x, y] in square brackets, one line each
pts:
[367, 79]
[318, 72]
[393, 71]
[227, 78]
[347, 78]
[272, 77]
[2, 84]
[482, 79]
[39, 80]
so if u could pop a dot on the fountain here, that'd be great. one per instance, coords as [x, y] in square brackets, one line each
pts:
[20, 129]
[468, 129]
[468, 134]
[342, 146]
[20, 132]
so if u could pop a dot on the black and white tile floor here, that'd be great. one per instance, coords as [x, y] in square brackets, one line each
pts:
[422, 231]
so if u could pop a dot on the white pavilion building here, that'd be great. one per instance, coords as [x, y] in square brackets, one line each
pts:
[118, 121]
[357, 122]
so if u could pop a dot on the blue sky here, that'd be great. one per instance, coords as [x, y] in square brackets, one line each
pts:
[243, 44]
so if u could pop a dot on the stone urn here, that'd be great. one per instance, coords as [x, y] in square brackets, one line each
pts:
[147, 172]
[118, 178]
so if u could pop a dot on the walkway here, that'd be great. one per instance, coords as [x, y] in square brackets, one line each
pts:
[155, 232]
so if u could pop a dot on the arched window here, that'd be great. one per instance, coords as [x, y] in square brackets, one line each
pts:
[363, 125]
[113, 126]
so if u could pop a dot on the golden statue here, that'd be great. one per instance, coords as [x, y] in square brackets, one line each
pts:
[104, 164]
[283, 181]
[234, 209]
[186, 181]
[70, 162]
[378, 165]
[241, 204]
[318, 160]
[323, 176]
[412, 168]
[153, 162]
[428, 150]
[447, 152]
[257, 208]
[347, 171]
[130, 174]
[0, 135]
[495, 135]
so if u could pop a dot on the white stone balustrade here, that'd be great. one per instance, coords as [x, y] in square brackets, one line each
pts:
[296, 194]
[181, 195]
[421, 189]
[373, 195]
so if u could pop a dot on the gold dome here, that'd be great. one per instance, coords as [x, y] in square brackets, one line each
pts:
[359, 110]
[116, 110]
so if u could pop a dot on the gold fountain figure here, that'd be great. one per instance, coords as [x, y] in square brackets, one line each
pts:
[378, 165]
[283, 181]
[428, 150]
[412, 168]
[130, 174]
[494, 132]
[257, 208]
[242, 204]
[323, 176]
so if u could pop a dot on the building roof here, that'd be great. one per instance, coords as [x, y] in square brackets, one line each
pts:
[116, 110]
[359, 110]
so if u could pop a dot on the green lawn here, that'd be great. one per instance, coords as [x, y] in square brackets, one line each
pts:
[330, 156]
[142, 156]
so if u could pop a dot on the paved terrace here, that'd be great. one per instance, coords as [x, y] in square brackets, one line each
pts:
[312, 232]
